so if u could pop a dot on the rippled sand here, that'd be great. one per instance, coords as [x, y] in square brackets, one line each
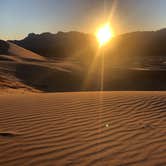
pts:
[84, 128]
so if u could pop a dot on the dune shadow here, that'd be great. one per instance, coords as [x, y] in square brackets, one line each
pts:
[123, 79]
[47, 79]
[138, 80]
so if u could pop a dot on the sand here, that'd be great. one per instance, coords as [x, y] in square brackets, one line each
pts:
[21, 54]
[23, 69]
[84, 128]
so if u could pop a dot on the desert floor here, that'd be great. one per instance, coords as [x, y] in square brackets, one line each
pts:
[83, 128]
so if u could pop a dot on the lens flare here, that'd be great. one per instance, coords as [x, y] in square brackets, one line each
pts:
[104, 34]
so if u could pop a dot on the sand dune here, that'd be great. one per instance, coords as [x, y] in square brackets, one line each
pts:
[23, 69]
[22, 54]
[8, 63]
[90, 128]
[28, 71]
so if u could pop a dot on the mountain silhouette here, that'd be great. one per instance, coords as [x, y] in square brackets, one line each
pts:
[138, 47]
[123, 49]
[73, 45]
[70, 61]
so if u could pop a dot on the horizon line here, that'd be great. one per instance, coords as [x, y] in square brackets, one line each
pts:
[54, 33]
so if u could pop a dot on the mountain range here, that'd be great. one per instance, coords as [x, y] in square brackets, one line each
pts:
[132, 46]
[71, 61]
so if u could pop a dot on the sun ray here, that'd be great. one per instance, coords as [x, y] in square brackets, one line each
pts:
[103, 35]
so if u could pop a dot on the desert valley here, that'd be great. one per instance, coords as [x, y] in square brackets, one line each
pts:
[82, 83]
[52, 111]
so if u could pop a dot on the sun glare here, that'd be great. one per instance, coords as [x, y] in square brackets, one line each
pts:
[104, 34]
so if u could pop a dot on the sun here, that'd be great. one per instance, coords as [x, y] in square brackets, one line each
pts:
[104, 34]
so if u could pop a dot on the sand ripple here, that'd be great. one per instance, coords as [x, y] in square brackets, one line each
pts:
[88, 128]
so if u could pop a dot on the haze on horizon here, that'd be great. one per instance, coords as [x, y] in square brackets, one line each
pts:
[20, 17]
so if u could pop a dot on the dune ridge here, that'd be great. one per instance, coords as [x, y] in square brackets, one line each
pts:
[84, 128]
[24, 70]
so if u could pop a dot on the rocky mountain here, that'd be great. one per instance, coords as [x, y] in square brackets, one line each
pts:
[125, 49]
[72, 45]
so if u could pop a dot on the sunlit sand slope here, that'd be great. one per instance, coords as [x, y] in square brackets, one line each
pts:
[21, 69]
[9, 61]
[23, 54]
[90, 128]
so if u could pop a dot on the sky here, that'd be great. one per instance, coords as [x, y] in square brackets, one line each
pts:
[20, 17]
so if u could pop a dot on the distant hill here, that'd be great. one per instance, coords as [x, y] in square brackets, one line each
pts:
[73, 45]
[122, 49]
[138, 45]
